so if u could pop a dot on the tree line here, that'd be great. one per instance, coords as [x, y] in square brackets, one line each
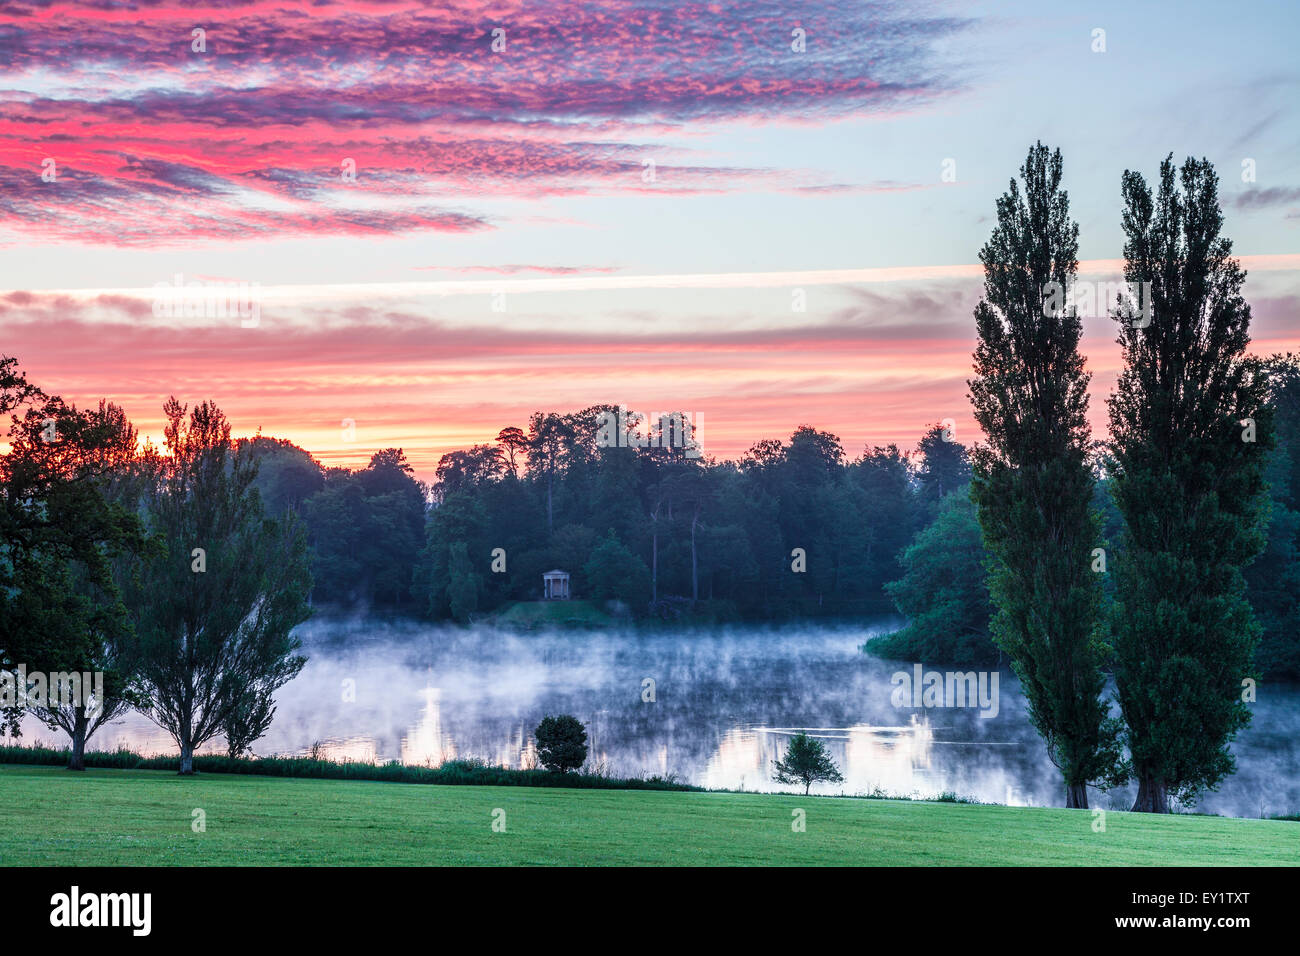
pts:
[794, 528]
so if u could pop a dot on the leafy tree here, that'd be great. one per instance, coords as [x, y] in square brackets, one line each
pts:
[813, 455]
[852, 544]
[561, 743]
[1274, 578]
[338, 523]
[806, 761]
[464, 584]
[286, 474]
[214, 626]
[394, 530]
[893, 511]
[460, 470]
[366, 530]
[388, 471]
[1189, 482]
[729, 559]
[690, 489]
[614, 572]
[943, 593]
[763, 456]
[61, 532]
[615, 498]
[459, 519]
[87, 629]
[549, 437]
[1032, 482]
[945, 466]
[804, 481]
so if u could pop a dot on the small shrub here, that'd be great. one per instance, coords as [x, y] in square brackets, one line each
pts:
[561, 743]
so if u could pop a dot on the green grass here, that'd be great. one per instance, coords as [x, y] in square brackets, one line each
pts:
[547, 614]
[143, 817]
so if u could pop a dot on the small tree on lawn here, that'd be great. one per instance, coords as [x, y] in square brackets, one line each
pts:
[561, 743]
[806, 761]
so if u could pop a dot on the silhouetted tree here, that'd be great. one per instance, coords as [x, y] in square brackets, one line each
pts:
[513, 441]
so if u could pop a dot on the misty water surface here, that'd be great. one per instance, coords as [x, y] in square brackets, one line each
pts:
[725, 706]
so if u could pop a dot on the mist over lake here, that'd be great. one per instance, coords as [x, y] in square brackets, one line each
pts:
[725, 705]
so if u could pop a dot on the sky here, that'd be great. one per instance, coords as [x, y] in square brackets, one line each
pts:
[441, 217]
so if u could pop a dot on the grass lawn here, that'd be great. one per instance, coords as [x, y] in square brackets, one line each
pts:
[540, 614]
[143, 817]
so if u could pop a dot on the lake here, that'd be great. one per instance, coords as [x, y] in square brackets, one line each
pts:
[720, 710]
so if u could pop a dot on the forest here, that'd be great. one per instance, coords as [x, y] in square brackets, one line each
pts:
[890, 531]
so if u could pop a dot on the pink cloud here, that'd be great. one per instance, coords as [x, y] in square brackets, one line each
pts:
[246, 139]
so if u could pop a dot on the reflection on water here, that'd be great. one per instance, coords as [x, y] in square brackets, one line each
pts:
[426, 743]
[725, 708]
[360, 749]
[871, 759]
[739, 752]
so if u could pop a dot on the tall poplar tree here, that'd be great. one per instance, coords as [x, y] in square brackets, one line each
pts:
[1191, 432]
[1032, 481]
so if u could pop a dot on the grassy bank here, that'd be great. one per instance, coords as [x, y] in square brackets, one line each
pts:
[119, 817]
[452, 773]
[550, 615]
